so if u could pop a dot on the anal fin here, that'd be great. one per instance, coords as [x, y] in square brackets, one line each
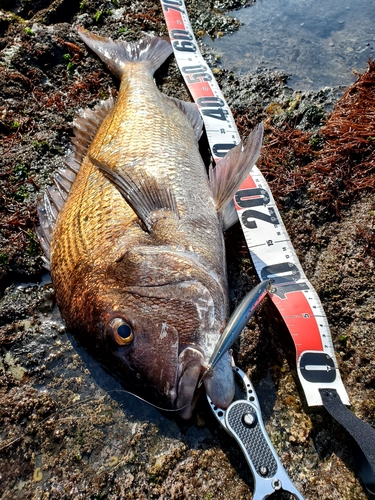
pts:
[229, 215]
[230, 172]
[191, 112]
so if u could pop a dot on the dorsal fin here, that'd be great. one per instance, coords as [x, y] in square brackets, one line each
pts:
[85, 127]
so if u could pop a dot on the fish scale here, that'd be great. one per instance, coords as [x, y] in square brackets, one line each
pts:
[169, 165]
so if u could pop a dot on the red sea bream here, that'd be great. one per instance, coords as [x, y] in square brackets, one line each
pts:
[133, 234]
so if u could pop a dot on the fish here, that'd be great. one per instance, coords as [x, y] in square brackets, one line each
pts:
[132, 233]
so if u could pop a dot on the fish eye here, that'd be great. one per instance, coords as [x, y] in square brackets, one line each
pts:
[121, 331]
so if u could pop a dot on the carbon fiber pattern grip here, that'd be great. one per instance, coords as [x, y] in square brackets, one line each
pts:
[251, 438]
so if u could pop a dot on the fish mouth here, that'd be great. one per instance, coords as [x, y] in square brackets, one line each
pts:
[219, 383]
[189, 340]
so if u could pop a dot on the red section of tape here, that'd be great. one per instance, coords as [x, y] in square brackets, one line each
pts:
[173, 18]
[299, 318]
[200, 90]
[248, 183]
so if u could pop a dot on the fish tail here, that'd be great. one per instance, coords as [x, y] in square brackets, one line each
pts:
[116, 54]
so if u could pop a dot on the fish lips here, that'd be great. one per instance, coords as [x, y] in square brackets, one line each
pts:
[219, 383]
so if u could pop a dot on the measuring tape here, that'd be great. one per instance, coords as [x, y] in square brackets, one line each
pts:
[267, 239]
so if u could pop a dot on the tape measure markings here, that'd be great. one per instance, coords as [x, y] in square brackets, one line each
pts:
[274, 258]
[269, 245]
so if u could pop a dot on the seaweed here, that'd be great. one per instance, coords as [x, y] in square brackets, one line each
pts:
[334, 167]
[346, 164]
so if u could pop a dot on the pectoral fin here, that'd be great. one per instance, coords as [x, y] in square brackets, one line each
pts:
[144, 195]
[230, 172]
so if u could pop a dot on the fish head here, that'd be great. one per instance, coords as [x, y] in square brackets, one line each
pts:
[157, 317]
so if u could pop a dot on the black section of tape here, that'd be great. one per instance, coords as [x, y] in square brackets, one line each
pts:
[362, 433]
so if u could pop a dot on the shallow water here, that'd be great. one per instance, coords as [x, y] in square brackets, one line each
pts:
[319, 43]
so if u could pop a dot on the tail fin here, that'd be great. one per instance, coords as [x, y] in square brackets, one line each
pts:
[116, 54]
